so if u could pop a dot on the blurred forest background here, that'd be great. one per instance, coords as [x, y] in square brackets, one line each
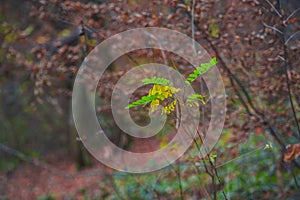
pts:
[257, 45]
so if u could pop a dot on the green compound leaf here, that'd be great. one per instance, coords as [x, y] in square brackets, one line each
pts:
[143, 101]
[156, 80]
[201, 70]
[196, 97]
[211, 63]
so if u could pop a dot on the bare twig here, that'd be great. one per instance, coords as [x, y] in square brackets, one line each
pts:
[292, 14]
[291, 37]
[295, 179]
[286, 65]
[273, 7]
[179, 181]
[272, 27]
[213, 173]
[285, 60]
[193, 24]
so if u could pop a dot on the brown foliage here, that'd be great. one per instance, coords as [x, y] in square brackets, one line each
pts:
[293, 151]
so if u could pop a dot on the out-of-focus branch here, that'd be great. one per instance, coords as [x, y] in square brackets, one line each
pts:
[289, 91]
[291, 15]
[235, 82]
[286, 68]
[272, 27]
[277, 11]
[291, 37]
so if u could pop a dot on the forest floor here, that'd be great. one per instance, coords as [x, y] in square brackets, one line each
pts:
[60, 177]
[30, 181]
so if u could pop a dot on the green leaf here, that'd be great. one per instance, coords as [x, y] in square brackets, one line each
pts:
[9, 37]
[143, 101]
[214, 30]
[4, 29]
[211, 63]
[196, 97]
[156, 80]
[201, 70]
[65, 33]
[193, 75]
[28, 31]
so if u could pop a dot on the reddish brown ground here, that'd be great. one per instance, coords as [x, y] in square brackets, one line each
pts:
[30, 181]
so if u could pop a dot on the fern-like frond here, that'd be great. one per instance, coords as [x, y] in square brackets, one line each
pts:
[156, 80]
[201, 70]
[195, 98]
[143, 101]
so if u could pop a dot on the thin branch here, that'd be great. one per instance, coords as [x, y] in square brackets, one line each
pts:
[241, 156]
[295, 179]
[286, 65]
[273, 7]
[218, 177]
[233, 77]
[237, 81]
[292, 14]
[193, 24]
[273, 28]
[179, 180]
[291, 37]
[214, 171]
[290, 93]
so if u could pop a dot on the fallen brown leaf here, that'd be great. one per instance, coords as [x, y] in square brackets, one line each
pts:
[293, 151]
